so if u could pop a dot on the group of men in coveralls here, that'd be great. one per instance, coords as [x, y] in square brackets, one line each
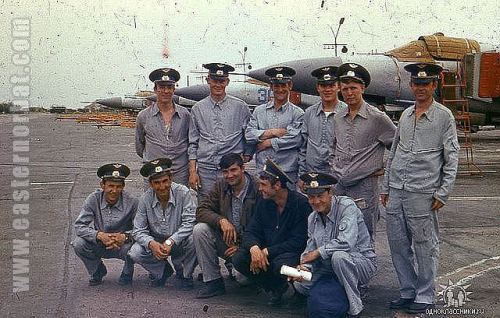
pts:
[258, 223]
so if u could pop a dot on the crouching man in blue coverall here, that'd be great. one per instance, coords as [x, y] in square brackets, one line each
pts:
[338, 241]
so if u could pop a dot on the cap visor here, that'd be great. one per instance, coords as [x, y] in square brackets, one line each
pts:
[422, 80]
[265, 174]
[113, 179]
[164, 83]
[352, 78]
[280, 81]
[217, 77]
[327, 82]
[314, 191]
[156, 175]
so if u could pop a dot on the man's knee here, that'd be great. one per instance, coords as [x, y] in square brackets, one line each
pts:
[201, 230]
[340, 258]
[188, 245]
[241, 260]
[81, 246]
[302, 287]
[237, 258]
[241, 278]
[136, 252]
[124, 249]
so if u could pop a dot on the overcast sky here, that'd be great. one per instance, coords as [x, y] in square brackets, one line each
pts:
[83, 50]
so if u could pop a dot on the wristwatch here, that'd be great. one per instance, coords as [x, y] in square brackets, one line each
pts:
[128, 237]
[169, 242]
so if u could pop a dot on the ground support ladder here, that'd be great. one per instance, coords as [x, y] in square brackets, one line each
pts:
[452, 96]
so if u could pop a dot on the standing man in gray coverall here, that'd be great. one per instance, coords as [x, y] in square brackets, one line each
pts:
[162, 130]
[317, 130]
[338, 241]
[111, 210]
[274, 128]
[163, 226]
[361, 135]
[419, 177]
[222, 218]
[219, 125]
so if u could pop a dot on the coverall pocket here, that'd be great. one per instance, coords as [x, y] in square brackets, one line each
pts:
[395, 226]
[396, 223]
[420, 227]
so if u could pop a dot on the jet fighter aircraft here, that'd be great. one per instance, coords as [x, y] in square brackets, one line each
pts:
[478, 73]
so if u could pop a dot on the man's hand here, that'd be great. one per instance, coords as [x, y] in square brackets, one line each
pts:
[273, 133]
[259, 260]
[160, 251]
[107, 239]
[194, 180]
[229, 234]
[383, 199]
[279, 132]
[119, 240]
[301, 186]
[266, 252]
[300, 268]
[309, 257]
[263, 145]
[436, 205]
[231, 251]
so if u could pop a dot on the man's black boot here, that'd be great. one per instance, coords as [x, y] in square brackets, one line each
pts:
[212, 288]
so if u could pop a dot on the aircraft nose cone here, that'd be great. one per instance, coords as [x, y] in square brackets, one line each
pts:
[112, 102]
[259, 74]
[195, 92]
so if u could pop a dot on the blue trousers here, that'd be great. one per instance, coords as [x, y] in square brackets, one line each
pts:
[271, 280]
[351, 270]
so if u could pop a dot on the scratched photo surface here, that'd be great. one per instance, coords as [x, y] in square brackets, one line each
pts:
[81, 51]
[72, 53]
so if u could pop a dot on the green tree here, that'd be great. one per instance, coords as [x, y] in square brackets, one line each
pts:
[5, 107]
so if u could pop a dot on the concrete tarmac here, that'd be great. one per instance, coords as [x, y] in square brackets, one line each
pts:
[52, 282]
